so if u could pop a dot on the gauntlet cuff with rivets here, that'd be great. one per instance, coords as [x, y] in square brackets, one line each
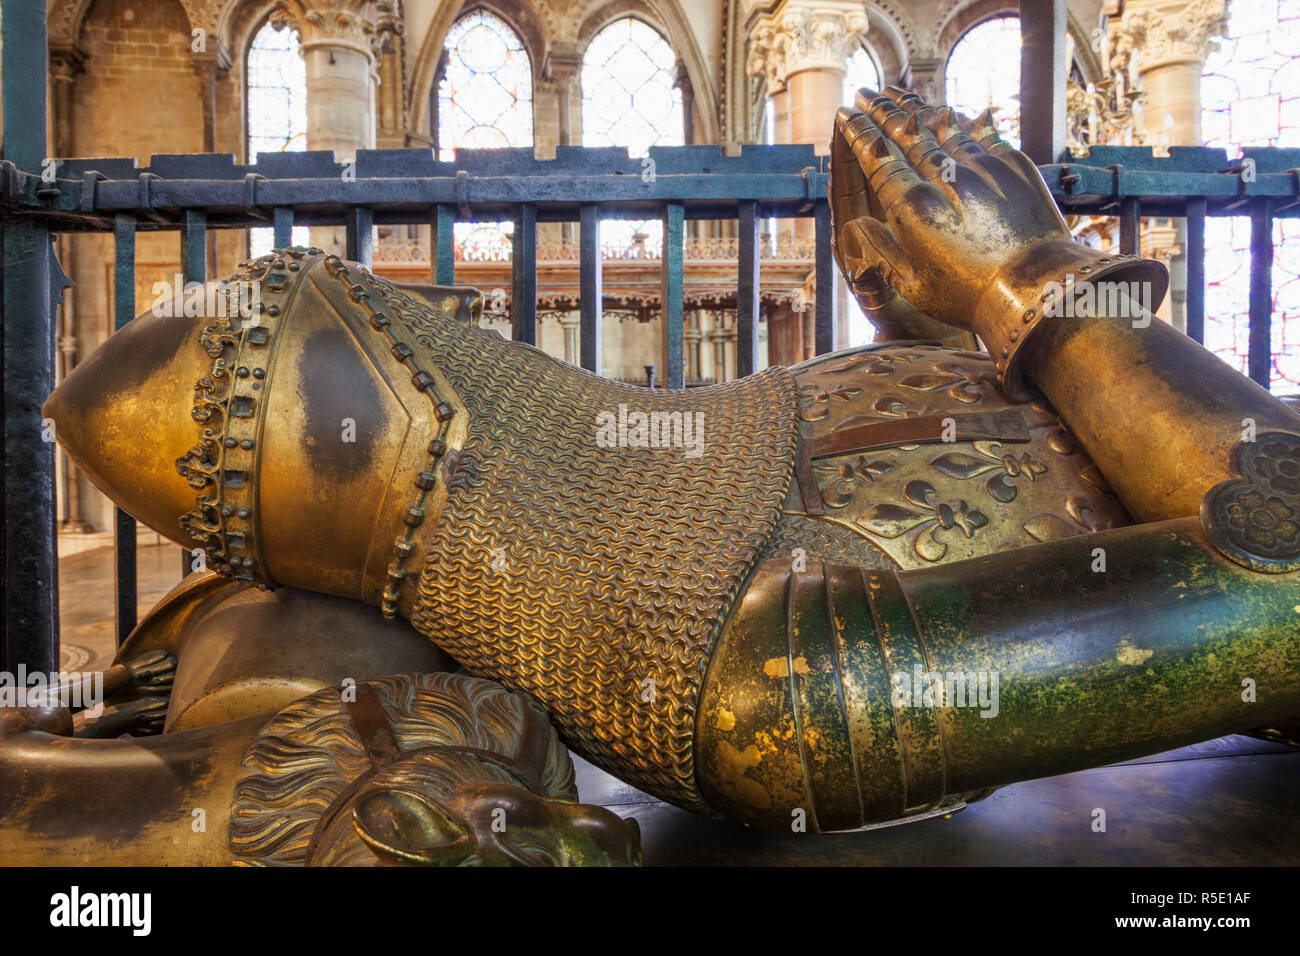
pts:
[1058, 278]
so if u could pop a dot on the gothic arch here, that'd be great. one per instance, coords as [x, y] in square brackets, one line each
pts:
[239, 21]
[960, 20]
[890, 19]
[64, 18]
[238, 25]
[666, 17]
[520, 15]
[891, 40]
[961, 16]
[1085, 57]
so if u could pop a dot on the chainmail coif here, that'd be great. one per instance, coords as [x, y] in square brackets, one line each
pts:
[595, 579]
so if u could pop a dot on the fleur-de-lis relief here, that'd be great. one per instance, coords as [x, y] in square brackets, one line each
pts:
[1000, 486]
[926, 520]
[205, 410]
[891, 406]
[1048, 526]
[960, 383]
[870, 362]
[838, 492]
[1082, 511]
[814, 401]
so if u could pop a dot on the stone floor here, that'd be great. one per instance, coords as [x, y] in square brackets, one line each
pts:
[86, 592]
[1234, 801]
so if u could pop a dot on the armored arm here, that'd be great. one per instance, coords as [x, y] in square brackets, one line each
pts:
[860, 695]
[851, 696]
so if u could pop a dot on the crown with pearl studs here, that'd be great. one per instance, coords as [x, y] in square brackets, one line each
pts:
[229, 405]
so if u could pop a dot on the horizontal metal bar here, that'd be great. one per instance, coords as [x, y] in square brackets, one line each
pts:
[403, 186]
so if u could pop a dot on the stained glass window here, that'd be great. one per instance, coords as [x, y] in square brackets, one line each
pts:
[983, 71]
[1250, 96]
[859, 71]
[277, 110]
[485, 101]
[630, 99]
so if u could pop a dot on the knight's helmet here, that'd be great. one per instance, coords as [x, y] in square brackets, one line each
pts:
[283, 391]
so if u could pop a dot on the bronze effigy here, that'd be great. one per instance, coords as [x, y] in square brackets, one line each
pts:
[853, 590]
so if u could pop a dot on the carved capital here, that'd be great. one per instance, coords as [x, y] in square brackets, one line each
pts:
[66, 61]
[795, 35]
[366, 26]
[563, 66]
[1161, 32]
[923, 78]
[209, 67]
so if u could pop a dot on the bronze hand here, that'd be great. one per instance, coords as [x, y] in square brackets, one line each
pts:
[940, 210]
[927, 210]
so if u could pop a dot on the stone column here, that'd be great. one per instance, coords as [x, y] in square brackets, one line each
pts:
[693, 336]
[718, 336]
[341, 41]
[1169, 40]
[683, 84]
[924, 77]
[801, 47]
[564, 65]
[210, 67]
[66, 61]
[571, 322]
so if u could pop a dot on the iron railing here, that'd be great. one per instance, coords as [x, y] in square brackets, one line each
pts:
[191, 194]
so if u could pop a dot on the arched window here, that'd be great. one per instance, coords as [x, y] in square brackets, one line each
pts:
[276, 87]
[983, 71]
[485, 96]
[485, 101]
[630, 99]
[859, 71]
[1250, 96]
